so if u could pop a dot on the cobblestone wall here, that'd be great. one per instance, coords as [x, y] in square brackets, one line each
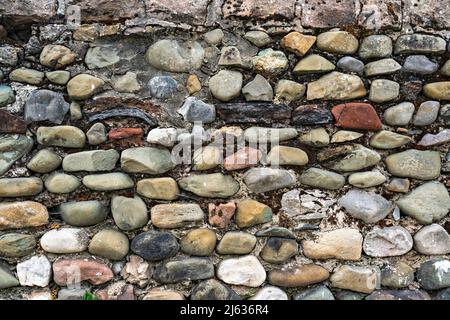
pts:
[224, 149]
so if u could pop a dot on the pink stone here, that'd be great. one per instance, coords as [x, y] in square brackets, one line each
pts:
[243, 158]
[69, 271]
[221, 215]
[429, 139]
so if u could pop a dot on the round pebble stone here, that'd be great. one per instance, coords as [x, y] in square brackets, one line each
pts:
[110, 244]
[213, 290]
[279, 250]
[366, 179]
[83, 213]
[434, 274]
[199, 242]
[432, 240]
[161, 294]
[236, 242]
[270, 293]
[388, 242]
[298, 276]
[350, 64]
[44, 161]
[226, 85]
[320, 292]
[65, 240]
[129, 213]
[243, 271]
[155, 245]
[15, 245]
[61, 183]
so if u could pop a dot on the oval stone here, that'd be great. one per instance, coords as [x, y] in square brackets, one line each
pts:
[155, 245]
[244, 271]
[388, 242]
[65, 240]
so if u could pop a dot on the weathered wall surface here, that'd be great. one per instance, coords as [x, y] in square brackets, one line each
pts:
[98, 97]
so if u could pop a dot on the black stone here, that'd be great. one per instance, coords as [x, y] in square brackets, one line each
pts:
[155, 245]
[434, 274]
[254, 112]
[119, 112]
[213, 290]
[276, 232]
[443, 295]
[311, 114]
[182, 269]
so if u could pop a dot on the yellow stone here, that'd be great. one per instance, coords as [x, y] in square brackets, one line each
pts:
[158, 188]
[83, 86]
[193, 84]
[282, 155]
[438, 90]
[199, 242]
[298, 43]
[251, 212]
[15, 215]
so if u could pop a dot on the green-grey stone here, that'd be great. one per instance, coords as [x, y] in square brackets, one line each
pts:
[322, 179]
[215, 185]
[146, 160]
[423, 165]
[388, 140]
[7, 279]
[16, 245]
[58, 77]
[12, 148]
[427, 203]
[99, 57]
[83, 213]
[6, 95]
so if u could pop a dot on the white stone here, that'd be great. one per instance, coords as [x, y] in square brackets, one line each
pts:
[163, 136]
[35, 271]
[65, 240]
[244, 271]
[270, 293]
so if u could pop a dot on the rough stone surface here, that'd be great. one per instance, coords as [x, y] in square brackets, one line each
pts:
[388, 242]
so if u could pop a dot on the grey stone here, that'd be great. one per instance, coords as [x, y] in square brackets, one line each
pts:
[432, 240]
[155, 245]
[388, 242]
[434, 274]
[146, 160]
[366, 206]
[388, 140]
[366, 179]
[350, 64]
[83, 213]
[265, 135]
[213, 290]
[214, 37]
[226, 85]
[94, 160]
[427, 203]
[162, 87]
[423, 165]
[6, 95]
[60, 77]
[382, 67]
[259, 89]
[75, 111]
[127, 83]
[8, 55]
[348, 158]
[110, 244]
[174, 56]
[397, 275]
[108, 181]
[15, 245]
[419, 64]
[399, 115]
[25, 75]
[61, 183]
[7, 279]
[96, 134]
[383, 90]
[101, 57]
[163, 136]
[194, 110]
[183, 269]
[270, 62]
[427, 113]
[258, 38]
[12, 148]
[44, 161]
[419, 43]
[320, 292]
[230, 57]
[375, 46]
[214, 185]
[322, 179]
[259, 180]
[129, 213]
[61, 136]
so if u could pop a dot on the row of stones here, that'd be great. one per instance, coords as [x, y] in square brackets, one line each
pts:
[369, 14]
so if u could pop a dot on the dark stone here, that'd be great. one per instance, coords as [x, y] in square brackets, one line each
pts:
[182, 269]
[349, 295]
[320, 292]
[443, 295]
[213, 290]
[197, 110]
[16, 245]
[434, 274]
[11, 124]
[162, 87]
[254, 112]
[45, 105]
[410, 90]
[128, 112]
[398, 295]
[155, 245]
[276, 232]
[311, 114]
[109, 10]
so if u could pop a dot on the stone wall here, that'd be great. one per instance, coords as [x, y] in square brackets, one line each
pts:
[224, 149]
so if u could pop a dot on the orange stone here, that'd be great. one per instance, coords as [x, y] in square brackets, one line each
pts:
[298, 43]
[243, 158]
[125, 133]
[356, 115]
